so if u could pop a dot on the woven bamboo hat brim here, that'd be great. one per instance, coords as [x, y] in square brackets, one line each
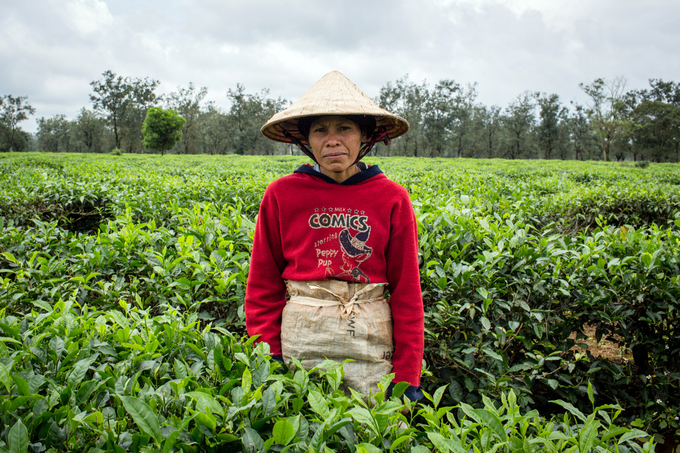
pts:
[333, 94]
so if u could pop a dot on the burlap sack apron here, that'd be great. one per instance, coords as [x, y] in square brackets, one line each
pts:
[340, 320]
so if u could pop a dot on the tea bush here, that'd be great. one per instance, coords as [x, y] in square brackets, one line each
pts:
[517, 258]
[75, 378]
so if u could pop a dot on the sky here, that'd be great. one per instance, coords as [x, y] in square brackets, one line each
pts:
[51, 50]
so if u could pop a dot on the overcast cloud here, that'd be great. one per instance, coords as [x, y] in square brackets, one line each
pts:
[50, 50]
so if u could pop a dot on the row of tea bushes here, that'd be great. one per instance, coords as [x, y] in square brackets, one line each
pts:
[575, 194]
[77, 378]
[510, 267]
[505, 299]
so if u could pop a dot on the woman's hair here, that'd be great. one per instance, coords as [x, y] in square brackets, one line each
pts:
[366, 124]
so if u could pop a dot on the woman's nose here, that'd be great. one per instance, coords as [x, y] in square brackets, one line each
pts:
[332, 137]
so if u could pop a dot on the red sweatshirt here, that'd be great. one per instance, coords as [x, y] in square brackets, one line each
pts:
[363, 230]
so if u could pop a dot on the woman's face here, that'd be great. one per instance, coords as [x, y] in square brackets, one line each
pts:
[335, 142]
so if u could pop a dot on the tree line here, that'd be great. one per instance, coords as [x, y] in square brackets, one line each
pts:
[446, 121]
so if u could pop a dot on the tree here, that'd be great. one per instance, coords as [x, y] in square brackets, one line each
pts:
[519, 122]
[605, 109]
[488, 122]
[124, 101]
[550, 128]
[654, 120]
[657, 129]
[247, 114]
[142, 97]
[214, 123]
[90, 130]
[462, 125]
[580, 133]
[14, 110]
[187, 103]
[439, 115]
[407, 100]
[54, 134]
[162, 129]
[111, 97]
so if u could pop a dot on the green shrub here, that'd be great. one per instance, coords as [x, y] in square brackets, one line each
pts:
[516, 259]
[76, 378]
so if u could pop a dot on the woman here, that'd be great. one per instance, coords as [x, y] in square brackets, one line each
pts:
[333, 237]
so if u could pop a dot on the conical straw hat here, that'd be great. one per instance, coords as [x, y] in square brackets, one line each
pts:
[333, 94]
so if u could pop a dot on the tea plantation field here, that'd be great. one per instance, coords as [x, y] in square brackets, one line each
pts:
[121, 310]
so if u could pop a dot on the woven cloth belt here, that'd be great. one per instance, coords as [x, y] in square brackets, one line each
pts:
[347, 303]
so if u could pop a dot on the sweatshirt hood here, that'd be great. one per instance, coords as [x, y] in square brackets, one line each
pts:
[360, 177]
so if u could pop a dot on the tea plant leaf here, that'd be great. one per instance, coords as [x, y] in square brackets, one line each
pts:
[261, 374]
[58, 346]
[143, 416]
[10, 340]
[420, 449]
[492, 354]
[438, 395]
[180, 369]
[318, 403]
[283, 432]
[22, 385]
[398, 441]
[246, 380]
[95, 418]
[42, 304]
[203, 401]
[5, 378]
[9, 257]
[443, 444]
[588, 433]
[18, 402]
[337, 426]
[382, 419]
[17, 439]
[268, 401]
[492, 421]
[364, 416]
[316, 442]
[170, 441]
[470, 412]
[614, 433]
[367, 448]
[303, 431]
[633, 434]
[206, 419]
[399, 389]
[119, 318]
[79, 370]
[226, 437]
[456, 391]
[486, 323]
[570, 407]
[252, 442]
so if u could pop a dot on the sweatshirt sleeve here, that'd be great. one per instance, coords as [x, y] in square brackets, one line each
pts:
[403, 278]
[266, 290]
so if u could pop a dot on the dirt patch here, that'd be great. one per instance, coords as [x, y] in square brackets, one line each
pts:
[609, 349]
[606, 349]
[670, 446]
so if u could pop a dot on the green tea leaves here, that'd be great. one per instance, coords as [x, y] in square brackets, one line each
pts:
[143, 416]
